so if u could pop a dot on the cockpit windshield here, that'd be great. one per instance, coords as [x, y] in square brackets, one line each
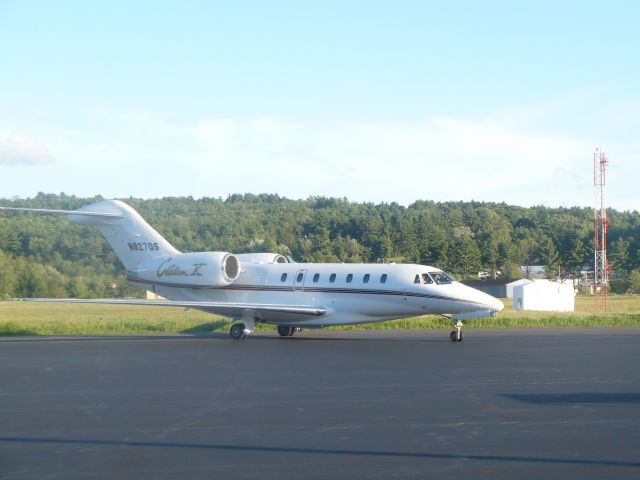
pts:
[441, 277]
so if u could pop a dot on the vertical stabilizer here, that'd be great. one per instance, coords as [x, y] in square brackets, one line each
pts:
[130, 236]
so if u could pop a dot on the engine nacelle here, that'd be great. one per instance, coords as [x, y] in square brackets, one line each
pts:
[201, 269]
[261, 258]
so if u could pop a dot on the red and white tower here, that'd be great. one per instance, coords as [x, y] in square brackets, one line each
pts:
[600, 224]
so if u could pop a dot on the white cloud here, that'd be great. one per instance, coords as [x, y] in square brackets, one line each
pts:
[517, 157]
[21, 150]
[442, 158]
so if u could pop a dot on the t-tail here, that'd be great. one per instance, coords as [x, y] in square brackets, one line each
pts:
[134, 240]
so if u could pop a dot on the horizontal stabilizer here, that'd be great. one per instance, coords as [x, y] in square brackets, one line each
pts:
[231, 308]
[133, 240]
[63, 212]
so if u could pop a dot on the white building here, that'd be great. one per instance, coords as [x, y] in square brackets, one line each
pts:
[512, 285]
[544, 295]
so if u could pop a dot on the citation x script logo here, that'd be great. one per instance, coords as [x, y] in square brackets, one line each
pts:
[173, 270]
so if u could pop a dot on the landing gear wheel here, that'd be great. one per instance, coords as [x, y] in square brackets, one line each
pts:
[456, 335]
[237, 331]
[286, 331]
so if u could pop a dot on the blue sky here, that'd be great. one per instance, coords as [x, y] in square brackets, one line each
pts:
[373, 101]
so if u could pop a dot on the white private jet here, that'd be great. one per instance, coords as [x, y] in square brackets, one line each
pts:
[256, 288]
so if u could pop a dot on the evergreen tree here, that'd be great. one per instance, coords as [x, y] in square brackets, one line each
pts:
[47, 256]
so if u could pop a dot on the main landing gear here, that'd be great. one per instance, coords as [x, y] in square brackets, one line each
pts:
[240, 331]
[237, 331]
[285, 331]
[456, 335]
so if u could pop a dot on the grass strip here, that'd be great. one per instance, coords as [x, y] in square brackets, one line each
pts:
[24, 318]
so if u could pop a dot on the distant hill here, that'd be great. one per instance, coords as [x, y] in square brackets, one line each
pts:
[47, 256]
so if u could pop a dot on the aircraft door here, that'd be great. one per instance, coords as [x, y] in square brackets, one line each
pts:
[298, 281]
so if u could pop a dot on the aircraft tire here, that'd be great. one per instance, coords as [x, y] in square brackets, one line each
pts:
[237, 331]
[453, 336]
[284, 331]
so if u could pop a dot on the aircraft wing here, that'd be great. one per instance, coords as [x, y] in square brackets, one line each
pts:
[223, 308]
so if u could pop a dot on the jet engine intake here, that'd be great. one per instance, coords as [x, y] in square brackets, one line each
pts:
[196, 270]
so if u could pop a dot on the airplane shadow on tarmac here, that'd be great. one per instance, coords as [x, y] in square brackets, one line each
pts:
[262, 336]
[582, 398]
[317, 451]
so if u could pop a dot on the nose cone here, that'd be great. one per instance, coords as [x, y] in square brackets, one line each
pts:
[495, 305]
[487, 301]
[492, 303]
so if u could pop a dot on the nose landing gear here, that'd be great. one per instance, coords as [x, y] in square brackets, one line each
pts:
[456, 335]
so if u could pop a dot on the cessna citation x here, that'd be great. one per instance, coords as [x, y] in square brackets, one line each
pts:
[256, 288]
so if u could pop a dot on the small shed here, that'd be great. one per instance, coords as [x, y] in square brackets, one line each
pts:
[512, 285]
[545, 296]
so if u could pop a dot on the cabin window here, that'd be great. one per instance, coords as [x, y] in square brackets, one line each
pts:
[417, 279]
[283, 278]
[316, 277]
[366, 278]
[299, 277]
[426, 278]
[349, 277]
[383, 278]
[332, 278]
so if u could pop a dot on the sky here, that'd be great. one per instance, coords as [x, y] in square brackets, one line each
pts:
[375, 101]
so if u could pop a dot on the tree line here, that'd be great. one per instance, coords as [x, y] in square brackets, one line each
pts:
[43, 255]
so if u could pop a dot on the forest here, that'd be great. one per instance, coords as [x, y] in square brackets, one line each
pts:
[46, 256]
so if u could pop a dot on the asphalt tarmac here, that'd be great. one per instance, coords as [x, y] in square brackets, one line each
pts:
[544, 403]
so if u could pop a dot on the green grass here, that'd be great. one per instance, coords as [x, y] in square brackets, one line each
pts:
[24, 318]
[622, 311]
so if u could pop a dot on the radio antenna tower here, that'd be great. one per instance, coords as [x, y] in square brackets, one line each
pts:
[600, 224]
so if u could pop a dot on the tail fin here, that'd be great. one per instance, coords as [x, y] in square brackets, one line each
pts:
[133, 239]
